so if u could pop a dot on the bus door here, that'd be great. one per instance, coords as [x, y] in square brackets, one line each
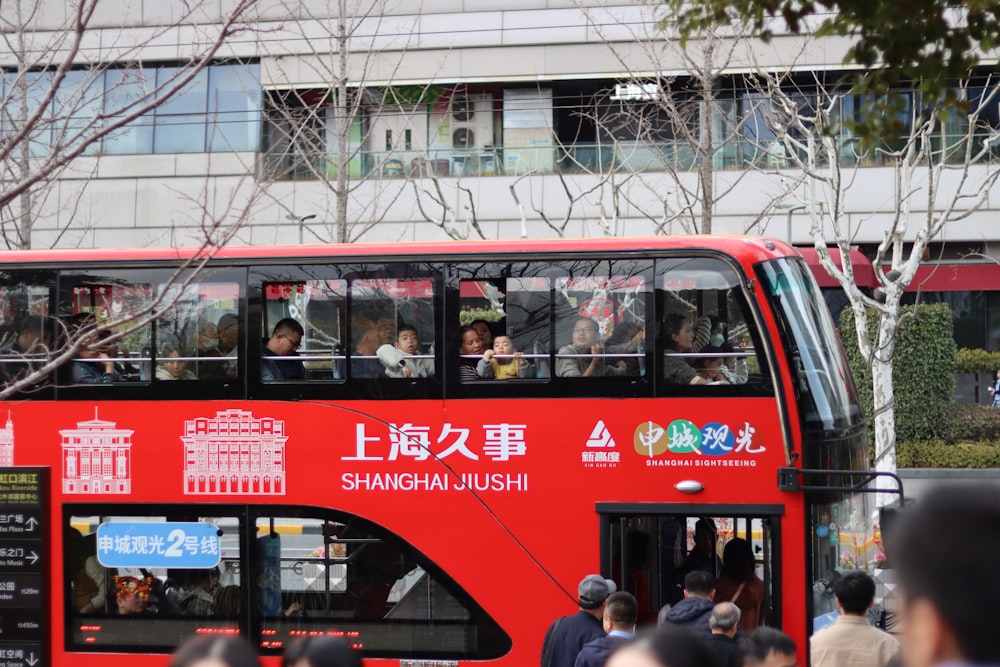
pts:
[649, 548]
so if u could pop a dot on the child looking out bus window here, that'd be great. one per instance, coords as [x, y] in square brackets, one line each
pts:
[400, 360]
[503, 362]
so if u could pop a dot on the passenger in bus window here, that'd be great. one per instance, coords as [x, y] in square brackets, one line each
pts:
[627, 339]
[370, 335]
[485, 332]
[29, 340]
[584, 357]
[196, 598]
[284, 342]
[173, 364]
[469, 350]
[132, 594]
[504, 361]
[710, 367]
[734, 368]
[88, 575]
[400, 360]
[93, 366]
[215, 367]
[679, 340]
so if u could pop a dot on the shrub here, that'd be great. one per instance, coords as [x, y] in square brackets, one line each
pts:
[977, 361]
[923, 368]
[940, 454]
[971, 423]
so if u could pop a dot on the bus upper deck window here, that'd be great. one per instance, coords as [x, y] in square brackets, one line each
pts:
[508, 329]
[394, 330]
[198, 336]
[707, 332]
[304, 330]
[603, 329]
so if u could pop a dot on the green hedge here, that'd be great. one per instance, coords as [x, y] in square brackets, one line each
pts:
[977, 361]
[923, 369]
[939, 454]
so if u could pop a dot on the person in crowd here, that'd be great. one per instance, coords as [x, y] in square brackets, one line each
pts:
[132, 594]
[567, 634]
[485, 332]
[89, 576]
[943, 549]
[620, 615]
[703, 555]
[227, 601]
[739, 582]
[215, 651]
[665, 647]
[710, 367]
[364, 363]
[93, 365]
[285, 340]
[400, 360]
[767, 647]
[734, 368]
[469, 349]
[173, 365]
[30, 340]
[627, 339]
[584, 356]
[724, 623]
[504, 361]
[693, 611]
[321, 652]
[680, 340]
[851, 641]
[208, 337]
[995, 390]
[217, 367]
[196, 599]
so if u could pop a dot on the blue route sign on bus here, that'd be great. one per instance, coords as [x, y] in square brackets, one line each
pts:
[158, 544]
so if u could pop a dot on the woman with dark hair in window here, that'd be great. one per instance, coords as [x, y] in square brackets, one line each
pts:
[470, 350]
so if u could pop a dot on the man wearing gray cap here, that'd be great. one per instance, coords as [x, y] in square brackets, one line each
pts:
[567, 635]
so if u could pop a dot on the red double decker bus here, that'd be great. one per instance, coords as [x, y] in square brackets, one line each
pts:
[436, 517]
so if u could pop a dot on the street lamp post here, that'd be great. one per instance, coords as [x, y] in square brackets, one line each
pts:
[302, 222]
[788, 227]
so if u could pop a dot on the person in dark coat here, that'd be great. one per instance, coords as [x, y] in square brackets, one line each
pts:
[695, 609]
[724, 622]
[620, 615]
[567, 634]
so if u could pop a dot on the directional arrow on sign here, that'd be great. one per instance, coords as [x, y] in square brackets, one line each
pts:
[33, 558]
[32, 660]
[31, 523]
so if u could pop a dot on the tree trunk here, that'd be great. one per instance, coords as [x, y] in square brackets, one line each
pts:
[883, 396]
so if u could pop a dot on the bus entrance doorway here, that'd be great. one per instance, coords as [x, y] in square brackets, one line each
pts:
[649, 549]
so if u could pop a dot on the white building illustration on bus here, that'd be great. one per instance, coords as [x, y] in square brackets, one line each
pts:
[97, 457]
[234, 453]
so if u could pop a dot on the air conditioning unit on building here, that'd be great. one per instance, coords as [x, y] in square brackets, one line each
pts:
[471, 121]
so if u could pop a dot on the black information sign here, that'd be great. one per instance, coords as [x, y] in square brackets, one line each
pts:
[24, 562]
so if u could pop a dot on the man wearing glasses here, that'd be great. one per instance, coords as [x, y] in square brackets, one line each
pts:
[584, 357]
[284, 342]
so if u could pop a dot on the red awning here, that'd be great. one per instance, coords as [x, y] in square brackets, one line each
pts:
[956, 277]
[864, 272]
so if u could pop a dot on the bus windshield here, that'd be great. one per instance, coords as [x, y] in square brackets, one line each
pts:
[823, 386]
